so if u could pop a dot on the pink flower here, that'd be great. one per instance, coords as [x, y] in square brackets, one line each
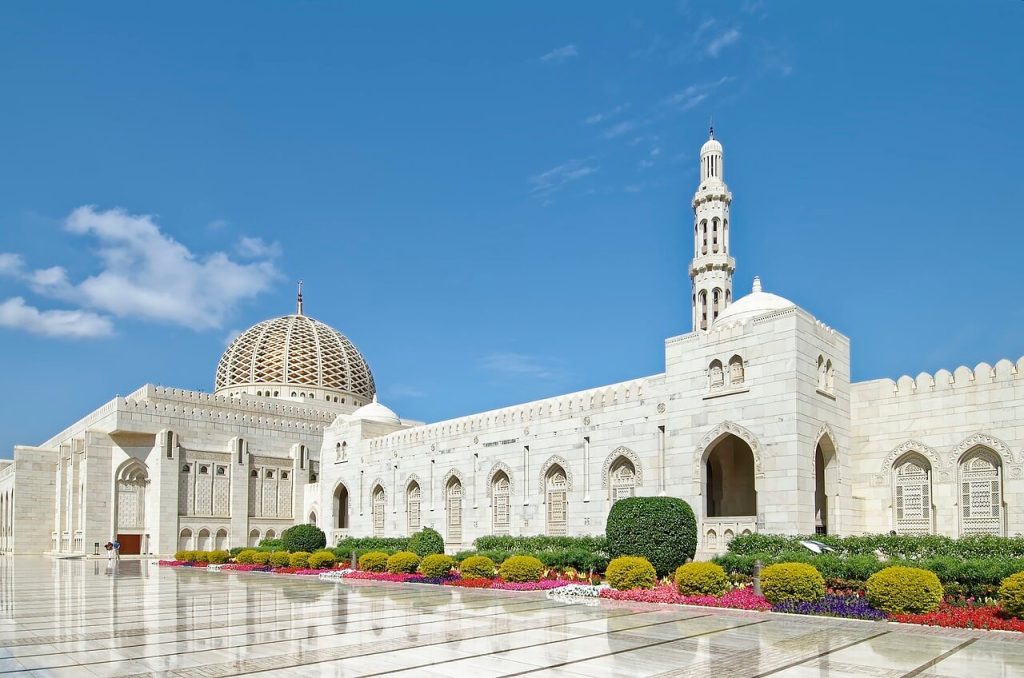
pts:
[739, 599]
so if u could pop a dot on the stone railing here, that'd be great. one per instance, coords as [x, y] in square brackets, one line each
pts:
[716, 533]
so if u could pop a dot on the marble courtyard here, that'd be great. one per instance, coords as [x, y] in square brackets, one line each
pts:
[77, 618]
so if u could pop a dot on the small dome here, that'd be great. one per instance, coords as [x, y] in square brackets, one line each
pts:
[376, 412]
[712, 145]
[752, 305]
[295, 350]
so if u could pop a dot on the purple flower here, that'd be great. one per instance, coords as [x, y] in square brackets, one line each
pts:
[850, 607]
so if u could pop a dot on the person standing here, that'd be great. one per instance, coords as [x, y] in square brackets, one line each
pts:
[117, 549]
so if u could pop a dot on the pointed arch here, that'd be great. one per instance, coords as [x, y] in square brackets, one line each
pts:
[452, 473]
[499, 467]
[554, 460]
[718, 433]
[980, 440]
[625, 453]
[897, 452]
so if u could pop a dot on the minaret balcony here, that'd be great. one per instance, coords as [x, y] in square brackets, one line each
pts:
[711, 262]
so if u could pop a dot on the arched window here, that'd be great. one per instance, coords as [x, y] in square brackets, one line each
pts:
[821, 372]
[912, 495]
[716, 301]
[185, 540]
[714, 234]
[557, 500]
[622, 479]
[337, 452]
[220, 542]
[378, 511]
[270, 534]
[501, 504]
[703, 309]
[453, 504]
[254, 537]
[341, 507]
[725, 236]
[735, 370]
[203, 542]
[981, 493]
[830, 376]
[704, 237]
[716, 377]
[414, 518]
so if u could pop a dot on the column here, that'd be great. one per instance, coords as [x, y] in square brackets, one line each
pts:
[586, 468]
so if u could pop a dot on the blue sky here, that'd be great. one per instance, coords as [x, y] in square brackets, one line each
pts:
[491, 201]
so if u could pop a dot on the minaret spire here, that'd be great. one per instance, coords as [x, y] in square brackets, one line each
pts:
[712, 268]
[298, 301]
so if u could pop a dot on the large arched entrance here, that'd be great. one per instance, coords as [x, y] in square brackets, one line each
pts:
[130, 516]
[730, 493]
[340, 511]
[825, 480]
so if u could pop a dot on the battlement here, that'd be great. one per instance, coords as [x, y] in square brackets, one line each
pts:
[1004, 372]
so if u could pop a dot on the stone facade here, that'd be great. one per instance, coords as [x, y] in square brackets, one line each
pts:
[754, 422]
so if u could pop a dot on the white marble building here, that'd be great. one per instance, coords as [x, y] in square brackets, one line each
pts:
[754, 422]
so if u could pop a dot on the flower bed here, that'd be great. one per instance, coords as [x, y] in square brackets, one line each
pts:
[478, 583]
[243, 567]
[738, 599]
[847, 606]
[542, 585]
[964, 617]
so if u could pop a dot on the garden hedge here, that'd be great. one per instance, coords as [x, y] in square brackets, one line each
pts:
[363, 545]
[542, 543]
[661, 529]
[303, 537]
[426, 542]
[895, 547]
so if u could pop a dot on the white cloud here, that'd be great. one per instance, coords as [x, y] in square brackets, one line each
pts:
[147, 274]
[556, 178]
[519, 365]
[232, 335]
[77, 324]
[11, 264]
[693, 95]
[605, 115]
[257, 248]
[723, 40]
[560, 54]
[620, 128]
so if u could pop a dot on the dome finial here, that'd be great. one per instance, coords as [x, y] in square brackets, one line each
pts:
[757, 284]
[298, 301]
[711, 127]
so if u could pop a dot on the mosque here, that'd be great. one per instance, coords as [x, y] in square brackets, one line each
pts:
[754, 421]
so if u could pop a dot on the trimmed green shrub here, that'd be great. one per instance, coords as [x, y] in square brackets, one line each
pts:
[374, 561]
[426, 542]
[245, 556]
[701, 579]
[280, 559]
[661, 529]
[403, 561]
[476, 567]
[436, 565]
[185, 556]
[521, 569]
[321, 560]
[792, 582]
[631, 572]
[217, 557]
[1011, 595]
[362, 545]
[900, 589]
[541, 543]
[275, 544]
[303, 537]
[261, 558]
[894, 547]
[201, 556]
[299, 559]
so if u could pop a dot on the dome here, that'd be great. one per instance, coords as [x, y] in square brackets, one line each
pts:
[752, 305]
[712, 145]
[376, 412]
[295, 351]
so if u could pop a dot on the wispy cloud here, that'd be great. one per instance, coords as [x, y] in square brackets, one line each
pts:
[143, 273]
[232, 335]
[557, 178]
[517, 365]
[692, 95]
[723, 40]
[257, 248]
[623, 127]
[17, 315]
[559, 55]
[606, 115]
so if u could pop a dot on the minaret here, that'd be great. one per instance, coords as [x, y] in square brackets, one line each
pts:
[712, 268]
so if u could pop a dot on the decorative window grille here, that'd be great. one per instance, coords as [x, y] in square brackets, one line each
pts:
[415, 519]
[736, 370]
[981, 495]
[454, 506]
[378, 512]
[501, 498]
[715, 374]
[623, 480]
[912, 496]
[556, 502]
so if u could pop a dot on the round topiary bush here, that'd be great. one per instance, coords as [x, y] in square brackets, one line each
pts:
[321, 560]
[661, 529]
[280, 559]
[403, 562]
[185, 556]
[217, 557]
[521, 569]
[630, 572]
[261, 558]
[426, 542]
[303, 537]
[298, 559]
[900, 589]
[702, 579]
[374, 561]
[202, 557]
[477, 567]
[244, 556]
[792, 582]
[436, 565]
[1011, 595]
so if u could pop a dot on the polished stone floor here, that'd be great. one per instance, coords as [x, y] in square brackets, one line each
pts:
[77, 618]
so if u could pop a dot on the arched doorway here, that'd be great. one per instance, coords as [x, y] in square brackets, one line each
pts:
[130, 516]
[185, 540]
[341, 507]
[825, 480]
[221, 541]
[203, 541]
[729, 479]
[254, 537]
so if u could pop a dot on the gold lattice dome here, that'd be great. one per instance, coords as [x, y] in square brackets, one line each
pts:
[292, 352]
